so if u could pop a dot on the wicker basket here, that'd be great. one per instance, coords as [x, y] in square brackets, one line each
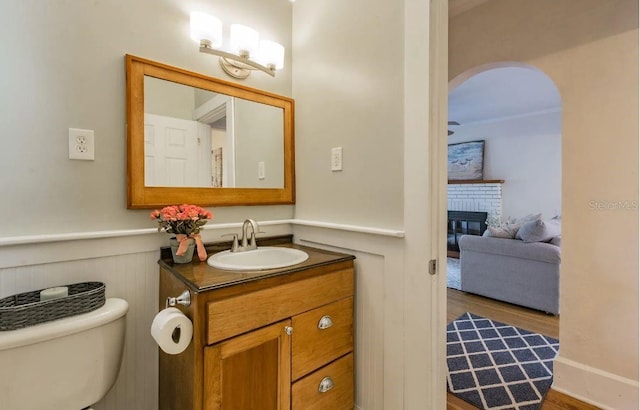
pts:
[26, 309]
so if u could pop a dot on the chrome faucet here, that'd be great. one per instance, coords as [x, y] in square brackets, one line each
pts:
[248, 240]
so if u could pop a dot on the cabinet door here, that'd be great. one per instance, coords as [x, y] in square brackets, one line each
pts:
[249, 372]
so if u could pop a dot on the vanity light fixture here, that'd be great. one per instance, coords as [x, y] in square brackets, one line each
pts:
[246, 51]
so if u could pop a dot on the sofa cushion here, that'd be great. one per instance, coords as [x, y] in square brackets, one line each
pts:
[539, 230]
[539, 251]
[510, 228]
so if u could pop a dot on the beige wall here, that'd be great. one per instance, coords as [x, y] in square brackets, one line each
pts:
[589, 48]
[63, 67]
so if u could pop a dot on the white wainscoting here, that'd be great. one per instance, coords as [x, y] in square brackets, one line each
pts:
[133, 277]
[126, 262]
[379, 268]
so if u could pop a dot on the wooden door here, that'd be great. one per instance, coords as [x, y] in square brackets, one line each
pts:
[249, 372]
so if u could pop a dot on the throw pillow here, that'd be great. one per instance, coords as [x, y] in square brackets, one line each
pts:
[507, 231]
[539, 230]
[528, 218]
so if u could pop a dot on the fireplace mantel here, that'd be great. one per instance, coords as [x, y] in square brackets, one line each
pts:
[475, 181]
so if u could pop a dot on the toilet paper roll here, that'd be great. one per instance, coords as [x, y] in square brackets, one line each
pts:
[54, 293]
[172, 330]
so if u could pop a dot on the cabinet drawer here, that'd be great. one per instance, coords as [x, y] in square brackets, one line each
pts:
[321, 336]
[240, 314]
[306, 394]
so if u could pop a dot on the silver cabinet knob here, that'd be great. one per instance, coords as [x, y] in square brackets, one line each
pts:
[288, 330]
[326, 384]
[325, 322]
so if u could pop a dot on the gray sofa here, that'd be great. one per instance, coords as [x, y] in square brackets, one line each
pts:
[510, 270]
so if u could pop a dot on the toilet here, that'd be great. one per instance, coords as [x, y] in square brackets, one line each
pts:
[65, 364]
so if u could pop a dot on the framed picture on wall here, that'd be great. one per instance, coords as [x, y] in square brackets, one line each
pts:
[465, 160]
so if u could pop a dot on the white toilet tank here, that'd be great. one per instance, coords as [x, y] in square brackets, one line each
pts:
[66, 364]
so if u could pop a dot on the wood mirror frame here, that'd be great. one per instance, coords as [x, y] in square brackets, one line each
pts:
[141, 196]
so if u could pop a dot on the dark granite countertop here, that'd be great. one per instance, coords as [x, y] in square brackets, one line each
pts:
[199, 276]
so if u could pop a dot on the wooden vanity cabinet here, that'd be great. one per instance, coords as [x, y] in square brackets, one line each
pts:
[275, 343]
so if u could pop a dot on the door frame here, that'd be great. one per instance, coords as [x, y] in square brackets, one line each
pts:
[438, 124]
[425, 179]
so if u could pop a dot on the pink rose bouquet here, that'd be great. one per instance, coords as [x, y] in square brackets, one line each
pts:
[185, 221]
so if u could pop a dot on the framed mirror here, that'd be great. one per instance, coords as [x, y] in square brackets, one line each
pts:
[200, 140]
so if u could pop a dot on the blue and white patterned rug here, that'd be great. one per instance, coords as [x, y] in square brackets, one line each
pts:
[497, 366]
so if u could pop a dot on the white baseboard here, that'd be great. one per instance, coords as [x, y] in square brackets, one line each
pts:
[594, 386]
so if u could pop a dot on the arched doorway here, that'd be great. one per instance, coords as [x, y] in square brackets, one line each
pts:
[513, 111]
[516, 110]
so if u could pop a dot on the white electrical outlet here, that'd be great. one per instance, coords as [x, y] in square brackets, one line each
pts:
[261, 170]
[81, 144]
[336, 159]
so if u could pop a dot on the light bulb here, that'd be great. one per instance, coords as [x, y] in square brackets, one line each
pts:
[271, 54]
[206, 27]
[243, 40]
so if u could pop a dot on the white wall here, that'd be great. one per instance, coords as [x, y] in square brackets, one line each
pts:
[168, 99]
[63, 67]
[259, 130]
[357, 88]
[348, 94]
[526, 154]
[589, 48]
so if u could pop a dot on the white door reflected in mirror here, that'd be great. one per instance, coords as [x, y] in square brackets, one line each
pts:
[199, 138]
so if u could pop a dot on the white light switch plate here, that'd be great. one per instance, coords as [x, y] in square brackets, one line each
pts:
[336, 159]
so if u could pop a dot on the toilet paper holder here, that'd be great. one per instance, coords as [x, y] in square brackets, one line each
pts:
[183, 299]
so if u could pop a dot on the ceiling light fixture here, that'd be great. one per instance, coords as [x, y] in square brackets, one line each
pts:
[246, 51]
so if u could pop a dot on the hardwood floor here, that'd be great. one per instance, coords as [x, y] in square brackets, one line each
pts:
[459, 302]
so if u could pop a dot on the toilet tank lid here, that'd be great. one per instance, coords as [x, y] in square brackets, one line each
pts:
[113, 309]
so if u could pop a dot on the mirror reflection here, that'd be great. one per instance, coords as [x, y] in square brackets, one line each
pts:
[199, 138]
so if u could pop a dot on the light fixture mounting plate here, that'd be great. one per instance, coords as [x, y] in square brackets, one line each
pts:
[234, 69]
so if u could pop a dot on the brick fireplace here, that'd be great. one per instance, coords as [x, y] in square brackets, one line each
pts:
[481, 196]
[470, 205]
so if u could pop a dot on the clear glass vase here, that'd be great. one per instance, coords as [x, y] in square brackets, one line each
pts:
[188, 255]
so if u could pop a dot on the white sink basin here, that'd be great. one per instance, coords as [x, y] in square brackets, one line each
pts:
[266, 257]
